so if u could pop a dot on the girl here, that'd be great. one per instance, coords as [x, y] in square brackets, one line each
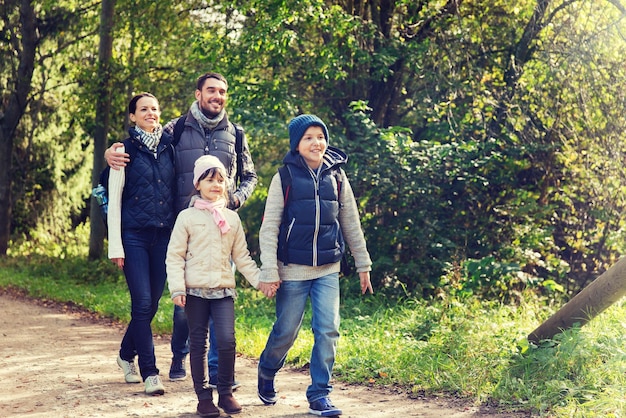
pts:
[141, 215]
[206, 237]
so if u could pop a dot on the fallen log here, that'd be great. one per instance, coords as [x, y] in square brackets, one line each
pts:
[604, 291]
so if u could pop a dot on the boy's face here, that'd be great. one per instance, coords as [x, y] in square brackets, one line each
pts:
[212, 97]
[312, 146]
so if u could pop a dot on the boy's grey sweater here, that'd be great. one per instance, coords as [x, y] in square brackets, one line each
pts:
[273, 270]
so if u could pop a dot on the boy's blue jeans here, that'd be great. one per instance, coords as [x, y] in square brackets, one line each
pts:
[291, 301]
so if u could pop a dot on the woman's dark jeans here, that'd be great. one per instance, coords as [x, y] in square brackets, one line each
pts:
[144, 268]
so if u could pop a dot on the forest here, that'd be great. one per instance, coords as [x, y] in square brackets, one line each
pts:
[485, 137]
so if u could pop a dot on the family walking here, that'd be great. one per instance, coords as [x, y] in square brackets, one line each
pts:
[173, 195]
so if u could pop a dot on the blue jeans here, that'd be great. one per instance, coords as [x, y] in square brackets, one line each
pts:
[180, 340]
[222, 311]
[144, 269]
[291, 301]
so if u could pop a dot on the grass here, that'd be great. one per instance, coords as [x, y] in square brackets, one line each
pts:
[473, 349]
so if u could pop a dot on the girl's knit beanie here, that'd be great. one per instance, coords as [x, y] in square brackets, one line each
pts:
[203, 164]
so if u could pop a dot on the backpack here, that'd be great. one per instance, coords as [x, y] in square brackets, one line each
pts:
[180, 127]
[285, 179]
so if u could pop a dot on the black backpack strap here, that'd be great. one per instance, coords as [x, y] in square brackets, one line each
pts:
[338, 178]
[238, 152]
[285, 180]
[179, 128]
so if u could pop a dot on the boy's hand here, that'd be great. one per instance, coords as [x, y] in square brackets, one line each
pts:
[269, 289]
[366, 284]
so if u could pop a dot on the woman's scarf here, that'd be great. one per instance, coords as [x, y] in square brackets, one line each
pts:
[215, 208]
[205, 122]
[150, 139]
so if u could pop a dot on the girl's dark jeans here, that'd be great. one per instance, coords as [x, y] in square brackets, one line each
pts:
[222, 312]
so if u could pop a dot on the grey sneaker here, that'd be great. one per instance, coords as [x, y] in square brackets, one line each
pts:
[154, 385]
[213, 384]
[130, 371]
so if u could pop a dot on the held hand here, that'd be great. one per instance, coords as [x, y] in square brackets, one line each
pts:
[269, 289]
[119, 262]
[116, 159]
[366, 284]
[180, 300]
[266, 289]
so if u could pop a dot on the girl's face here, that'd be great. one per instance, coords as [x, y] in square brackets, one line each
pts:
[147, 114]
[312, 146]
[212, 188]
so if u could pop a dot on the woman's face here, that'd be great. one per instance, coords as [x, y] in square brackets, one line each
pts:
[312, 146]
[212, 188]
[147, 114]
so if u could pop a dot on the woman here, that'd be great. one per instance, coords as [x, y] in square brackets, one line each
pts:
[141, 216]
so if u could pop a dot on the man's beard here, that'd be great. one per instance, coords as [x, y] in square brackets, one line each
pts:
[208, 113]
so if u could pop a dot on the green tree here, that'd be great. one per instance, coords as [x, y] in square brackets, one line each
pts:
[484, 135]
[19, 40]
[103, 114]
[481, 86]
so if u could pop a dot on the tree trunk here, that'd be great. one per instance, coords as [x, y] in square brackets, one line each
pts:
[604, 291]
[103, 111]
[11, 115]
[520, 55]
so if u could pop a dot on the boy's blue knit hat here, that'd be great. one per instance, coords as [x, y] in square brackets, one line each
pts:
[299, 125]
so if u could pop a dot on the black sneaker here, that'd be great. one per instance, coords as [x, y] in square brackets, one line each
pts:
[177, 369]
[266, 392]
[324, 408]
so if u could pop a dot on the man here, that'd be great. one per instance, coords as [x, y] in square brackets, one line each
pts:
[206, 131]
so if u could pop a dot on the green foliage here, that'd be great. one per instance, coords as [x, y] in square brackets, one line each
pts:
[479, 134]
[569, 372]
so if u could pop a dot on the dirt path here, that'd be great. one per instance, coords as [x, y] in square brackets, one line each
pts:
[55, 362]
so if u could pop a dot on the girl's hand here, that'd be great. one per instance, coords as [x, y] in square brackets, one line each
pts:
[118, 262]
[365, 282]
[180, 300]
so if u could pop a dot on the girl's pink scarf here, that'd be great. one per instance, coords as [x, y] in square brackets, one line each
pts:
[216, 209]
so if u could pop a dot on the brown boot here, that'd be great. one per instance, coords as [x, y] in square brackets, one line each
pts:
[229, 404]
[206, 408]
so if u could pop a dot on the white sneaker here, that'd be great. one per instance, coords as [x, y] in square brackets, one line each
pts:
[154, 385]
[130, 371]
